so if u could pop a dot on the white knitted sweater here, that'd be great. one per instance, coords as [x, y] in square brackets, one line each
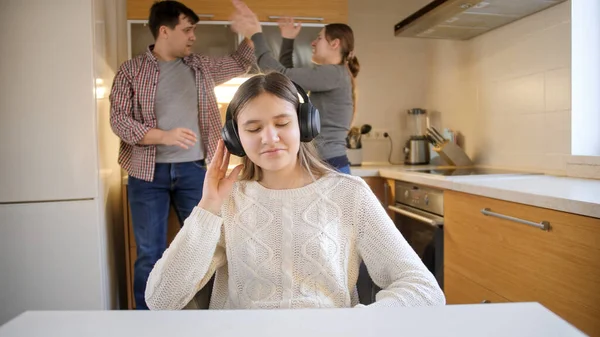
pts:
[296, 248]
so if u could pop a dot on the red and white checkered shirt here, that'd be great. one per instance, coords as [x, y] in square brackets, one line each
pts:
[133, 94]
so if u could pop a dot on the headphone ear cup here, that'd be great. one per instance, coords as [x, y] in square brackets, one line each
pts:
[231, 139]
[304, 122]
[315, 120]
[310, 122]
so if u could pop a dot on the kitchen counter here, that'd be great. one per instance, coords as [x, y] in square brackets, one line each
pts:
[572, 195]
[503, 319]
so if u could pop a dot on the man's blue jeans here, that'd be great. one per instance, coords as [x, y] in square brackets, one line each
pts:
[177, 184]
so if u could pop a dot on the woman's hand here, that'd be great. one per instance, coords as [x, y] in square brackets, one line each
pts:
[289, 28]
[244, 21]
[217, 185]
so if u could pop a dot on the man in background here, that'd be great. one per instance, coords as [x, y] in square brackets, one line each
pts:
[164, 110]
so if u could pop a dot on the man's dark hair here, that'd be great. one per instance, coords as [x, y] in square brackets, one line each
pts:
[166, 13]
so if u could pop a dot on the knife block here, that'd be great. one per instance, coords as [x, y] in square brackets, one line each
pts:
[453, 154]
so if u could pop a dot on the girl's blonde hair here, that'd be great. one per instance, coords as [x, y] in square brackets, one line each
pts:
[282, 87]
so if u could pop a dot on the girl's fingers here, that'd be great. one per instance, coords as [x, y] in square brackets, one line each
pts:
[225, 162]
[217, 158]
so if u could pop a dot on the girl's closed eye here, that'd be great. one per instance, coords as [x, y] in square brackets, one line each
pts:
[282, 124]
[253, 130]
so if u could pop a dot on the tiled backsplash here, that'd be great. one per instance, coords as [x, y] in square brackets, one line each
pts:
[514, 92]
[394, 72]
[508, 92]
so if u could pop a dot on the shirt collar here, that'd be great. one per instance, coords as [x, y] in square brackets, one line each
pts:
[189, 60]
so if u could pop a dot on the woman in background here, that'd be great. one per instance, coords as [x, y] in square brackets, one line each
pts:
[331, 82]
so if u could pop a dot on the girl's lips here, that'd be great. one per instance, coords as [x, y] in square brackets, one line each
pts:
[271, 151]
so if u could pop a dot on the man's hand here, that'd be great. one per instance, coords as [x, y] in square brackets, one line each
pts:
[182, 137]
[244, 21]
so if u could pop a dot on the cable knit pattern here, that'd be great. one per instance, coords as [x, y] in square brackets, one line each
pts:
[297, 248]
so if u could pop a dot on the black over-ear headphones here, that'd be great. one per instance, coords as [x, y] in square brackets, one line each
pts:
[308, 119]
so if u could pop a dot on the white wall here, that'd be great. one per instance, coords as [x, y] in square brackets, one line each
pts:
[508, 92]
[394, 73]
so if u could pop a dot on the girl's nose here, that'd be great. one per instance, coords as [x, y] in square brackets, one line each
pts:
[270, 135]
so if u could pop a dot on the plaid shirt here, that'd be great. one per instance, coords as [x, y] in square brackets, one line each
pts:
[133, 95]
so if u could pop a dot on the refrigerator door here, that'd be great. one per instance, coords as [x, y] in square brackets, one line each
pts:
[50, 257]
[48, 147]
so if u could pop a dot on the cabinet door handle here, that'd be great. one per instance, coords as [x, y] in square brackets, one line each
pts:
[385, 194]
[486, 301]
[544, 225]
[301, 18]
[207, 16]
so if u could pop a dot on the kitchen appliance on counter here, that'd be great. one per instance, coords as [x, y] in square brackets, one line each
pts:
[416, 150]
[447, 150]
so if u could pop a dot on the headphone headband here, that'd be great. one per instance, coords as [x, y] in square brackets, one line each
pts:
[303, 94]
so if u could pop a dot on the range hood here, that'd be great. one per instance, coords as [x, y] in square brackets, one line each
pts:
[465, 19]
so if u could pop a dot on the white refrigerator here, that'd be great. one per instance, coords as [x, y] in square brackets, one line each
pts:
[55, 209]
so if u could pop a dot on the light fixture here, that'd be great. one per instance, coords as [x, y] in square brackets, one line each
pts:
[100, 89]
[225, 91]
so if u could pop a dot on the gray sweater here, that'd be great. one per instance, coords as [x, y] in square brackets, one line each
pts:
[330, 89]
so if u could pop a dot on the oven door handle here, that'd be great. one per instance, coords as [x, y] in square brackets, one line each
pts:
[434, 221]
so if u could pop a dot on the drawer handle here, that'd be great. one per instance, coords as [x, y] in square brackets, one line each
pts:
[206, 16]
[301, 18]
[544, 225]
[486, 301]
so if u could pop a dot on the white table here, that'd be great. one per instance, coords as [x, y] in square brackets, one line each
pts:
[508, 319]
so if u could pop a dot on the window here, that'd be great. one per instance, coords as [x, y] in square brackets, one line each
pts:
[585, 78]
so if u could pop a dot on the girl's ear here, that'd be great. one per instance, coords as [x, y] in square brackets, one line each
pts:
[335, 44]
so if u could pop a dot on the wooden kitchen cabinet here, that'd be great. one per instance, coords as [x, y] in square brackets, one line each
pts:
[500, 260]
[330, 11]
[382, 188]
[464, 291]
[220, 9]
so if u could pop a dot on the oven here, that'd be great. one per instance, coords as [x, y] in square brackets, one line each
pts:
[419, 216]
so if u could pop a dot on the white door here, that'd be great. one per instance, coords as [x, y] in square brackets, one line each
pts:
[48, 148]
[49, 258]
